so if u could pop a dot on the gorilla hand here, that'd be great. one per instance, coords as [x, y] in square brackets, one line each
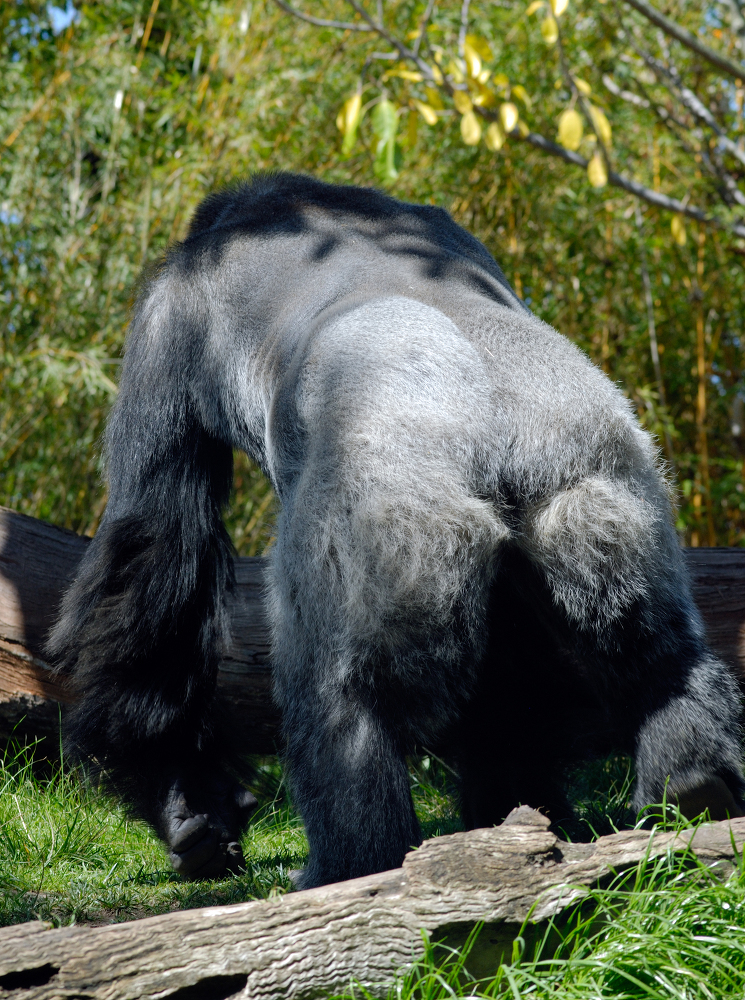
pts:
[201, 823]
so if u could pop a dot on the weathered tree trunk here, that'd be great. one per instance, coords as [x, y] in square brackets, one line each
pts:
[37, 562]
[309, 943]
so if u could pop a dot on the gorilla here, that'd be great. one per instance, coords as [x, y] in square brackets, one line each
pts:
[474, 554]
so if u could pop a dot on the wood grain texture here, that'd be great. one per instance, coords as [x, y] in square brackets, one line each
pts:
[305, 944]
[38, 561]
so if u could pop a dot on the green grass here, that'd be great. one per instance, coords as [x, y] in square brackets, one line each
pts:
[70, 854]
[669, 930]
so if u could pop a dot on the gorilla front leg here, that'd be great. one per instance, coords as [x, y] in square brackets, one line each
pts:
[350, 783]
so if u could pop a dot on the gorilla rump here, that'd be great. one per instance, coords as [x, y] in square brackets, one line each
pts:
[474, 552]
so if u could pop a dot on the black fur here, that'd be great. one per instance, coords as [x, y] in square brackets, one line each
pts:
[475, 550]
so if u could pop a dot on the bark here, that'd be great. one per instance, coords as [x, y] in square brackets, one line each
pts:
[311, 943]
[37, 562]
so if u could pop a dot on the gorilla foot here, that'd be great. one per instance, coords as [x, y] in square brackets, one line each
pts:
[202, 825]
[712, 794]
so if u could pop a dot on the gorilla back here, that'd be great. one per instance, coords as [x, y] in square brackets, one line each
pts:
[474, 554]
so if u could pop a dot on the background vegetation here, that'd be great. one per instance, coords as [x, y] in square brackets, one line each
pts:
[116, 118]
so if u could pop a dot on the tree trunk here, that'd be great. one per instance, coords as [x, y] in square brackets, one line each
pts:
[37, 562]
[311, 943]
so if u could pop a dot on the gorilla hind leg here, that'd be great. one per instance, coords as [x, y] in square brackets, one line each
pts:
[350, 783]
[622, 607]
[521, 730]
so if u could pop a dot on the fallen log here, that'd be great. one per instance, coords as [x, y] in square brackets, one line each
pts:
[307, 944]
[38, 561]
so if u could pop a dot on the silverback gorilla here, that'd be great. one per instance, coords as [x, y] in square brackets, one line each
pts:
[474, 552]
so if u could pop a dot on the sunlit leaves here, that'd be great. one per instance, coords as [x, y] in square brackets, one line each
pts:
[427, 112]
[494, 137]
[678, 230]
[480, 46]
[601, 123]
[521, 93]
[570, 129]
[550, 30]
[473, 60]
[534, 6]
[462, 102]
[403, 74]
[508, 116]
[559, 6]
[470, 128]
[597, 172]
[348, 121]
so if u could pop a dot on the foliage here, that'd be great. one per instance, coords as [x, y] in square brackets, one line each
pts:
[114, 128]
[69, 853]
[668, 930]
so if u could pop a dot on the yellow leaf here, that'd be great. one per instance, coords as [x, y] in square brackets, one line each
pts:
[602, 125]
[508, 116]
[427, 112]
[501, 80]
[403, 74]
[484, 98]
[484, 76]
[479, 45]
[494, 137]
[473, 62]
[462, 101]
[582, 86]
[570, 129]
[559, 6]
[470, 128]
[433, 98]
[549, 30]
[413, 35]
[437, 75]
[519, 91]
[536, 5]
[678, 229]
[457, 71]
[596, 172]
[348, 120]
[523, 129]
[349, 112]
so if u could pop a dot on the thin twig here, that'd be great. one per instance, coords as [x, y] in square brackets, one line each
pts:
[690, 41]
[463, 27]
[423, 26]
[403, 50]
[691, 101]
[321, 22]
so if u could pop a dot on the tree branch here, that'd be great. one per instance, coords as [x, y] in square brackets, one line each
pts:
[403, 50]
[649, 195]
[652, 197]
[692, 102]
[321, 22]
[737, 70]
